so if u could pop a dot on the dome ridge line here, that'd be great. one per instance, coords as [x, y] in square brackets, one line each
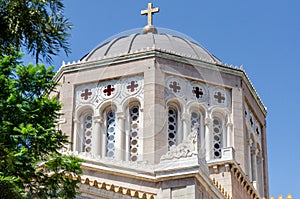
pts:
[209, 54]
[189, 43]
[169, 40]
[111, 43]
[132, 40]
[154, 42]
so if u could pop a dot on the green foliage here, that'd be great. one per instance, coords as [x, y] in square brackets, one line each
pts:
[37, 25]
[31, 165]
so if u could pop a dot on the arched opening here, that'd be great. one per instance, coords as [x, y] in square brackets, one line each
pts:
[110, 119]
[217, 139]
[134, 126]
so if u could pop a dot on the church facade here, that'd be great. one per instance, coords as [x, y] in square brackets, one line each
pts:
[155, 115]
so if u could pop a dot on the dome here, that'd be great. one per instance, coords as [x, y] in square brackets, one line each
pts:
[129, 44]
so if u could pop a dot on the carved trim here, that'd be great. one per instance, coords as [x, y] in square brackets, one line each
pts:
[187, 148]
[112, 187]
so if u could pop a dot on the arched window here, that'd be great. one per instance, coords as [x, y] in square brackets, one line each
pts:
[172, 126]
[110, 133]
[217, 138]
[87, 133]
[134, 132]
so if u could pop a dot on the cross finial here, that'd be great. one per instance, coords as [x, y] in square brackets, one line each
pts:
[149, 12]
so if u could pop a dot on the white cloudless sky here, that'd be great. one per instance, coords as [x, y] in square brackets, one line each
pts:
[264, 36]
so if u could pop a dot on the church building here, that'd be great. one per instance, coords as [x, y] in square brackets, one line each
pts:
[156, 116]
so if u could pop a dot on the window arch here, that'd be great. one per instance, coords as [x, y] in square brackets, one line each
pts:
[84, 126]
[217, 137]
[172, 126]
[134, 126]
[110, 117]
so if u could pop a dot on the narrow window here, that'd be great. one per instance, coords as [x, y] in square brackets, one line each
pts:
[134, 133]
[195, 120]
[87, 144]
[110, 134]
[172, 126]
[217, 137]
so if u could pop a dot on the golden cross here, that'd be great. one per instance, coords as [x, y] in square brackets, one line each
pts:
[150, 11]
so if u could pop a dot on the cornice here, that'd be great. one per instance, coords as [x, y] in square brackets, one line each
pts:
[111, 187]
[165, 54]
[240, 176]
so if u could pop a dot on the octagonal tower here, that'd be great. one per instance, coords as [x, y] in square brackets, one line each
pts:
[155, 115]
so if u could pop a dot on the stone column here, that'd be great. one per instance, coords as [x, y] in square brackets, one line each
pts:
[202, 142]
[250, 142]
[96, 135]
[186, 122]
[229, 134]
[120, 136]
[254, 153]
[103, 129]
[76, 134]
[208, 143]
[260, 173]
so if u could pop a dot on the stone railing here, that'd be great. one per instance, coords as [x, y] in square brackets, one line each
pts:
[281, 197]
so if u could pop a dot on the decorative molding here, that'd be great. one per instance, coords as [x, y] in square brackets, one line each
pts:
[194, 91]
[111, 187]
[187, 148]
[160, 53]
[115, 91]
[219, 186]
[97, 160]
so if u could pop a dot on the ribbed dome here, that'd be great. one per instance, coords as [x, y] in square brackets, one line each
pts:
[145, 42]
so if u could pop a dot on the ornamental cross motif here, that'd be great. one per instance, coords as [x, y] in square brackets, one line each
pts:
[132, 86]
[149, 12]
[109, 90]
[198, 92]
[175, 87]
[86, 94]
[219, 97]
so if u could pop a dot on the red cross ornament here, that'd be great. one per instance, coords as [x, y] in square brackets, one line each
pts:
[132, 86]
[86, 94]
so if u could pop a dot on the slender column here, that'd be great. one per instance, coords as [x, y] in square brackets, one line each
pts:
[260, 173]
[127, 145]
[186, 122]
[103, 129]
[229, 134]
[254, 168]
[250, 142]
[208, 138]
[96, 135]
[202, 141]
[120, 136]
[76, 134]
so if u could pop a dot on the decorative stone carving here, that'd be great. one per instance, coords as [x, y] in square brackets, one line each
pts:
[111, 162]
[194, 91]
[187, 148]
[116, 90]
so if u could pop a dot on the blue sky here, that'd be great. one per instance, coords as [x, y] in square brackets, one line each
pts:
[261, 35]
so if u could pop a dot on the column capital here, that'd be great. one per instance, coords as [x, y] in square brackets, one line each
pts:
[207, 121]
[229, 124]
[120, 115]
[76, 121]
[185, 117]
[257, 151]
[98, 119]
[254, 150]
[250, 142]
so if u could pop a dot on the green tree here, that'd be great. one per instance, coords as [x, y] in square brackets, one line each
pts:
[31, 165]
[37, 26]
